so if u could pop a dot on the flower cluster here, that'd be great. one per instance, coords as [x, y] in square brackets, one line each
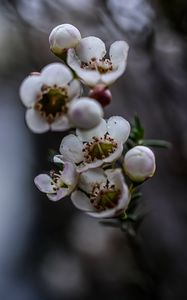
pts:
[102, 162]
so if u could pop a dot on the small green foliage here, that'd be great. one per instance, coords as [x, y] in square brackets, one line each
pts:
[57, 165]
[137, 137]
[155, 143]
[137, 133]
[51, 154]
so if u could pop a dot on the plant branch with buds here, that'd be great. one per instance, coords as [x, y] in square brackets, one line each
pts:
[102, 165]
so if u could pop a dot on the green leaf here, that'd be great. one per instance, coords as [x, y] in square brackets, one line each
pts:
[51, 154]
[155, 143]
[138, 127]
[137, 132]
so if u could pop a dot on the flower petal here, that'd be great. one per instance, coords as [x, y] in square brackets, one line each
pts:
[115, 177]
[109, 213]
[58, 159]
[35, 122]
[81, 201]
[61, 193]
[112, 76]
[74, 89]
[118, 128]
[56, 74]
[61, 124]
[98, 131]
[71, 149]
[118, 53]
[69, 175]
[43, 183]
[89, 48]
[86, 166]
[89, 77]
[89, 179]
[30, 89]
[124, 199]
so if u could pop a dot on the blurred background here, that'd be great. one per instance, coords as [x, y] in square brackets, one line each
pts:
[51, 251]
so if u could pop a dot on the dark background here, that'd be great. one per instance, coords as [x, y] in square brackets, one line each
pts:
[51, 251]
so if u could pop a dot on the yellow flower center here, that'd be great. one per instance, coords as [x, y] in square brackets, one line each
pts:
[106, 197]
[102, 65]
[52, 103]
[99, 148]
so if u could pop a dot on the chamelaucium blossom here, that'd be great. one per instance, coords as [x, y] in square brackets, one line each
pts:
[63, 37]
[85, 112]
[93, 164]
[58, 184]
[47, 96]
[101, 194]
[139, 163]
[88, 59]
[92, 148]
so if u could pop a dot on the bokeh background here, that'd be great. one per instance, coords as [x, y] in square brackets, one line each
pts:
[51, 251]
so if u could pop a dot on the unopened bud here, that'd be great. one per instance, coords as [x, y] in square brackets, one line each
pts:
[102, 94]
[35, 73]
[139, 163]
[63, 37]
[85, 113]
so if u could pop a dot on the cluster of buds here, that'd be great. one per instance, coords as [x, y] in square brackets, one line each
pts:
[95, 165]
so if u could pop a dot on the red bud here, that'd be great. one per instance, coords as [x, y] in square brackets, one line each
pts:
[102, 94]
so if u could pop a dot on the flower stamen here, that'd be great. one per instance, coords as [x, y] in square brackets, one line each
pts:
[52, 102]
[57, 182]
[105, 197]
[103, 65]
[99, 148]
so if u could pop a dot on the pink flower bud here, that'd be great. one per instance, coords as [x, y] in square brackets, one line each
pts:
[63, 37]
[102, 94]
[85, 113]
[139, 163]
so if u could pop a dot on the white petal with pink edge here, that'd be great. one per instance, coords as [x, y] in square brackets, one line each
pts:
[71, 149]
[56, 74]
[36, 122]
[30, 90]
[89, 48]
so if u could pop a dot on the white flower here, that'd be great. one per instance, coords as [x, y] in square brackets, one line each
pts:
[92, 148]
[59, 184]
[89, 62]
[85, 113]
[63, 37]
[139, 163]
[101, 194]
[47, 97]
